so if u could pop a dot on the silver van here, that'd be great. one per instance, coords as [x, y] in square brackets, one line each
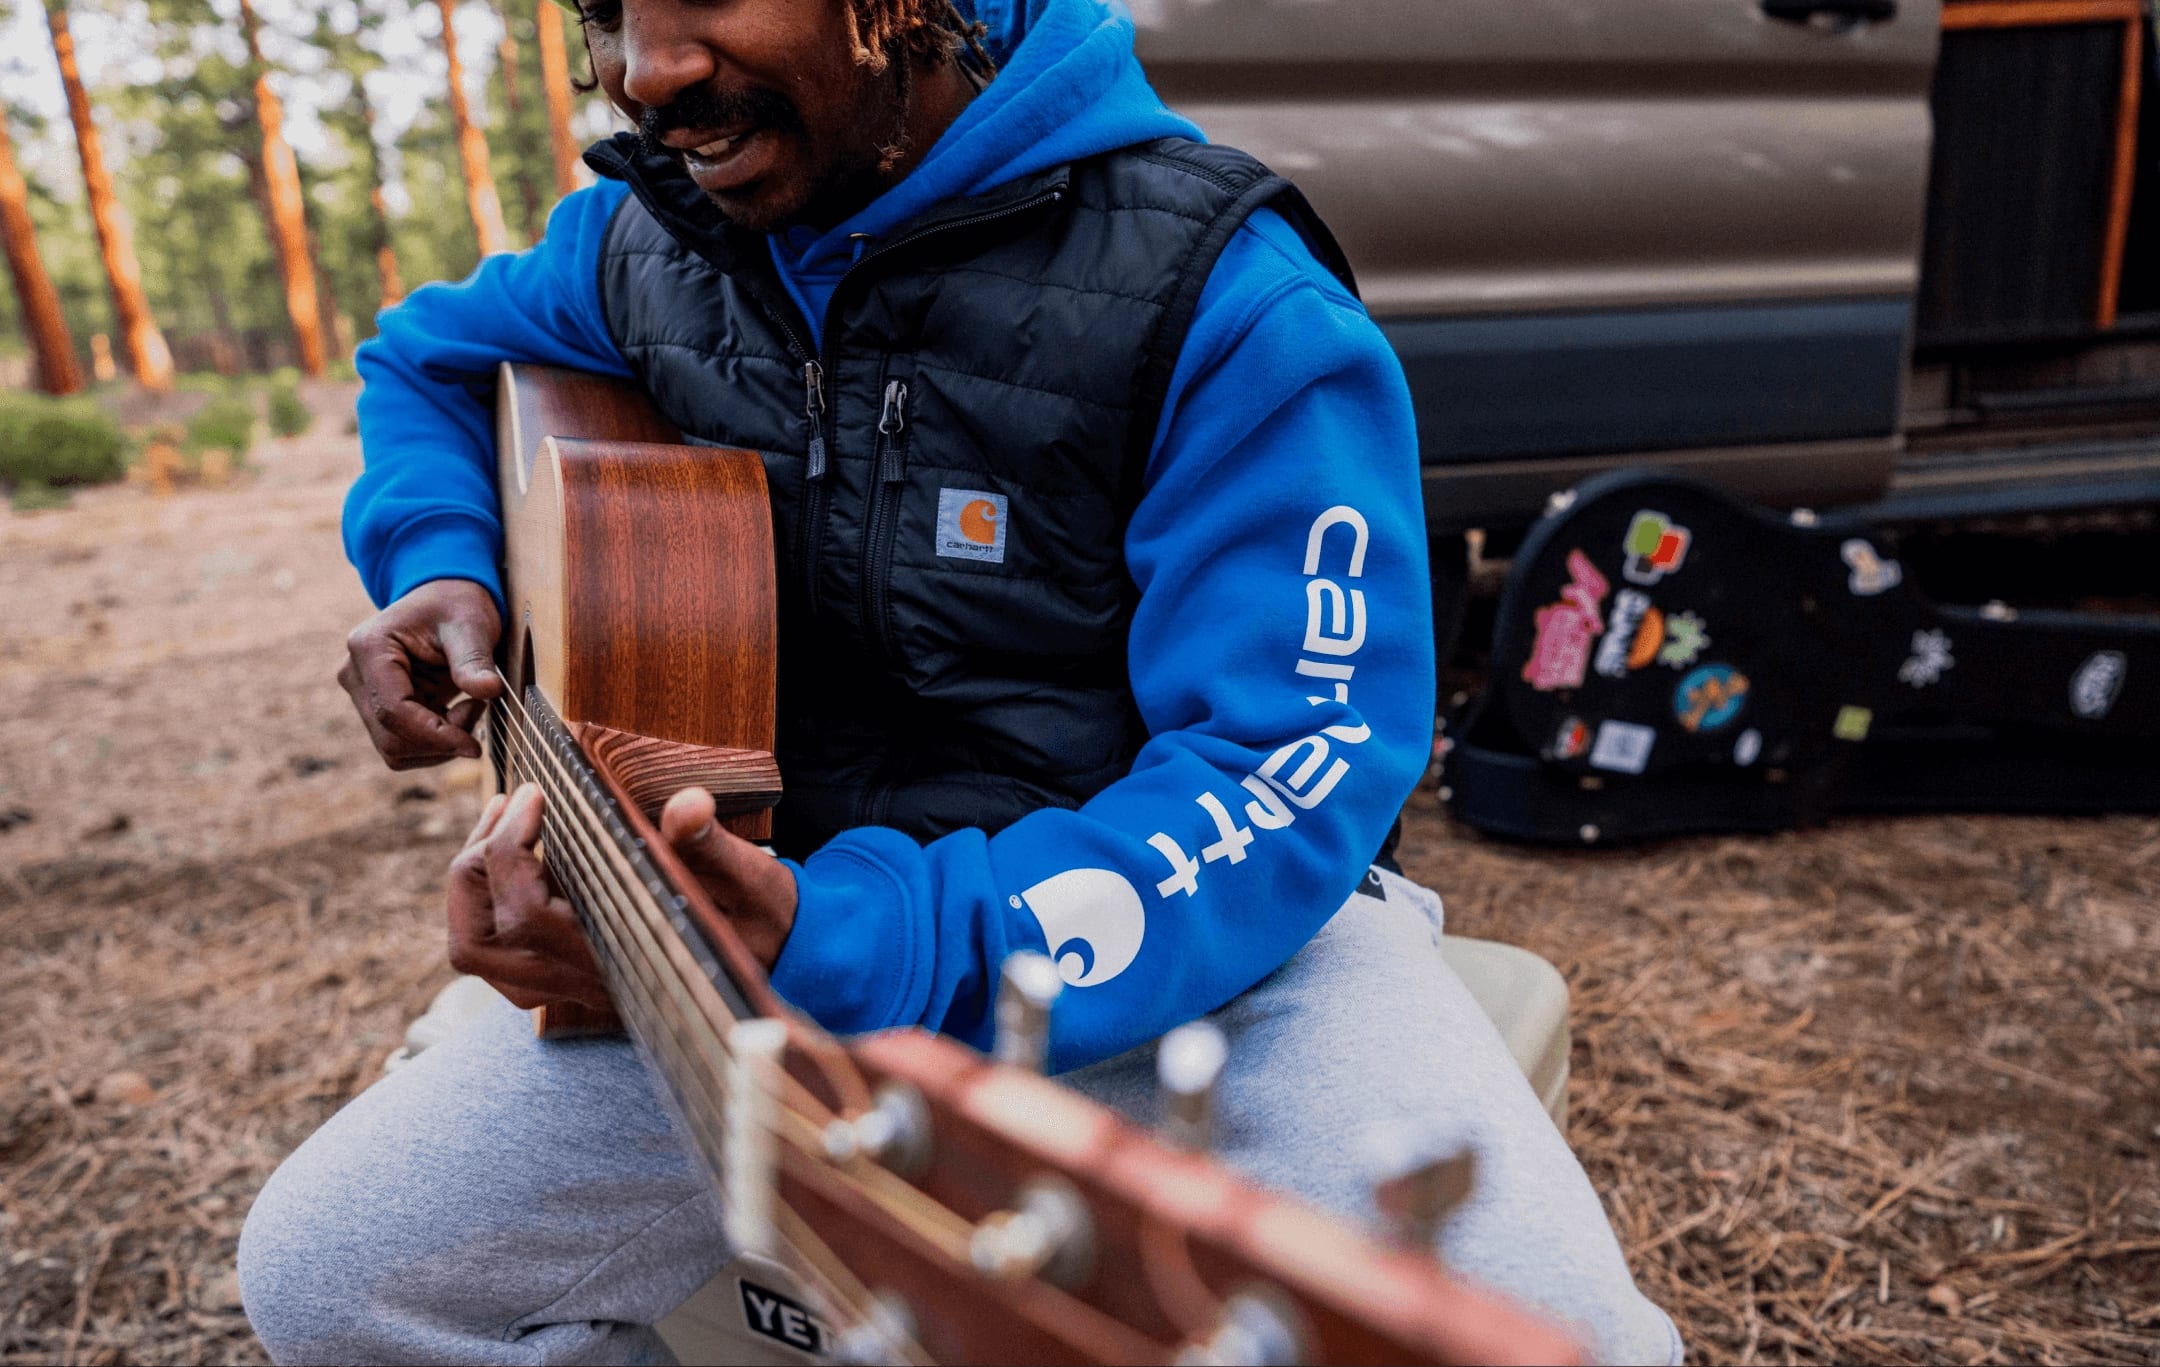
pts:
[1903, 253]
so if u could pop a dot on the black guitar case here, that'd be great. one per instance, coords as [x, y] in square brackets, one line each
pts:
[1669, 660]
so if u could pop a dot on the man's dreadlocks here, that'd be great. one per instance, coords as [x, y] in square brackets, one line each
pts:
[880, 29]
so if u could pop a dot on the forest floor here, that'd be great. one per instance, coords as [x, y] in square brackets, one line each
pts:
[1887, 1091]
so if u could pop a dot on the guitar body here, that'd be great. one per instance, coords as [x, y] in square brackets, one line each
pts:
[638, 579]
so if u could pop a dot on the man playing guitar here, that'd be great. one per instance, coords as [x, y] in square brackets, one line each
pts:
[1104, 632]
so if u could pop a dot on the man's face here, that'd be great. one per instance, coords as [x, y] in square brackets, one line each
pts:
[760, 100]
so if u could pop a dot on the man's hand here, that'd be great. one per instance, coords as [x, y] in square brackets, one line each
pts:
[406, 666]
[752, 889]
[506, 923]
[508, 926]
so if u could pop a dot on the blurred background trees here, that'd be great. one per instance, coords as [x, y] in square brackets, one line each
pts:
[238, 186]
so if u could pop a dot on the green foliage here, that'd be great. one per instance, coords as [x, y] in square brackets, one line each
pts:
[37, 498]
[58, 442]
[288, 416]
[228, 422]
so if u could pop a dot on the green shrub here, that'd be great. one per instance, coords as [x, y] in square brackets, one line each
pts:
[227, 421]
[37, 498]
[58, 442]
[288, 416]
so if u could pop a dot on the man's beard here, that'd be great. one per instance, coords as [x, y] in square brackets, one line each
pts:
[832, 192]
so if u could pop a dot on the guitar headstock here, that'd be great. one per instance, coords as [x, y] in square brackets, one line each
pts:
[1071, 1235]
[940, 1206]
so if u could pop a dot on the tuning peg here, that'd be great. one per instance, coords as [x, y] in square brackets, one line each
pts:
[1419, 1184]
[1028, 987]
[895, 1131]
[1046, 1233]
[1188, 1062]
[1258, 1328]
[885, 1333]
[748, 1165]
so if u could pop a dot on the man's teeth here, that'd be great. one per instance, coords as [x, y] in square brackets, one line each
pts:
[714, 149]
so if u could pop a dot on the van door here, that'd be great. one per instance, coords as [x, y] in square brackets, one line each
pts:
[1602, 231]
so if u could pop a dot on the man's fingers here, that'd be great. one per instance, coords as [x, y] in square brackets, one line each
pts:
[687, 824]
[411, 732]
[465, 714]
[518, 829]
[404, 729]
[469, 649]
[489, 814]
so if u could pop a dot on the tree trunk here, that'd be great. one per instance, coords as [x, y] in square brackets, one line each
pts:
[555, 84]
[506, 58]
[148, 357]
[386, 267]
[225, 347]
[287, 210]
[480, 197]
[43, 323]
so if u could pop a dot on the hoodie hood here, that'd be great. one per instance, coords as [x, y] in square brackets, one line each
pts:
[1068, 86]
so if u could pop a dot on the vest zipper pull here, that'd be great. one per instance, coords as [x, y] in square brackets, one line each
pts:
[891, 423]
[814, 410]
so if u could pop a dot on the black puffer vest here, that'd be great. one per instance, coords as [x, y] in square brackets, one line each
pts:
[952, 477]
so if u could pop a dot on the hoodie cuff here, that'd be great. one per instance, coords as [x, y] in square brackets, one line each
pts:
[445, 548]
[849, 961]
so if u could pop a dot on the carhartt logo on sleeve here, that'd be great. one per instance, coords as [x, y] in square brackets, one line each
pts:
[971, 525]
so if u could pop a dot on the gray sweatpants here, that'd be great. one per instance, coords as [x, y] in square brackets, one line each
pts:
[499, 1200]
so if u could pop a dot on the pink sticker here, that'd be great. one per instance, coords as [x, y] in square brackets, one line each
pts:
[1561, 655]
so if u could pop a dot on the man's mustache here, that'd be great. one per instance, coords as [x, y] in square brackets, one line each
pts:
[703, 107]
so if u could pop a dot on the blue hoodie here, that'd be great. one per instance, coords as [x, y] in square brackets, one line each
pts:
[1280, 654]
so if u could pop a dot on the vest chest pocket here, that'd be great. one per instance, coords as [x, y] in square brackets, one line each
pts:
[888, 482]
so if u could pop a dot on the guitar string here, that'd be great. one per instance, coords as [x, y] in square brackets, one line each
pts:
[846, 1081]
[854, 1297]
[931, 1220]
[522, 735]
[640, 1010]
[814, 1261]
[692, 976]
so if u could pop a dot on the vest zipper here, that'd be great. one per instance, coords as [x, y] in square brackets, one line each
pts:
[814, 491]
[884, 514]
[816, 497]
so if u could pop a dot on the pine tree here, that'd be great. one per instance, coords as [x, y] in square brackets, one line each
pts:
[285, 207]
[148, 358]
[555, 84]
[481, 201]
[44, 326]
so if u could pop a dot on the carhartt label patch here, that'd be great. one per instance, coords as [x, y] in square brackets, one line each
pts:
[971, 525]
[781, 1318]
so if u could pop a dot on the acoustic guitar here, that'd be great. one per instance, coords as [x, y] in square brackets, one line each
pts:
[934, 1205]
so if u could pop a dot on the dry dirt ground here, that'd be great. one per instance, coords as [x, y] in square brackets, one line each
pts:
[1885, 1092]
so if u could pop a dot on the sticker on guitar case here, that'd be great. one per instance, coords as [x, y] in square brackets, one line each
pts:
[1632, 635]
[1710, 697]
[1572, 739]
[1748, 748]
[1871, 574]
[1560, 656]
[1929, 661]
[1622, 747]
[2096, 685]
[1655, 547]
[1686, 638]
